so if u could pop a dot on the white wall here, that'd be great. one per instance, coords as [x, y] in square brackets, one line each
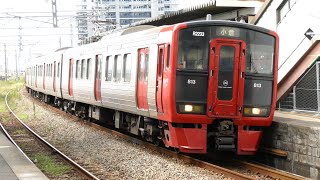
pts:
[293, 44]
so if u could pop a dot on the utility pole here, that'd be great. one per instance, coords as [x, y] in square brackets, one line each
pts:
[5, 61]
[54, 13]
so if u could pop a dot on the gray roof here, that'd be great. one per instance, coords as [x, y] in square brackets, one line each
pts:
[199, 11]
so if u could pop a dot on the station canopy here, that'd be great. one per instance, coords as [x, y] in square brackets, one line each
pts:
[222, 9]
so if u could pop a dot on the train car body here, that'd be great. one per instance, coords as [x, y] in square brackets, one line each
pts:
[197, 86]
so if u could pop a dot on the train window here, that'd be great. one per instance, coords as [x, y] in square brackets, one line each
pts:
[117, 68]
[58, 72]
[108, 73]
[146, 71]
[127, 67]
[89, 70]
[98, 67]
[260, 54]
[168, 55]
[193, 49]
[83, 68]
[77, 69]
[160, 61]
[141, 66]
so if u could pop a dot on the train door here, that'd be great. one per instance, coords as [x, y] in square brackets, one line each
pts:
[70, 82]
[97, 82]
[226, 71]
[54, 77]
[160, 63]
[142, 82]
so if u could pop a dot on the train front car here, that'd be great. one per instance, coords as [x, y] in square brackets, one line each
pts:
[223, 87]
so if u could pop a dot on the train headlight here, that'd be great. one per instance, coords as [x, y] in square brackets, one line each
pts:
[191, 108]
[188, 108]
[255, 111]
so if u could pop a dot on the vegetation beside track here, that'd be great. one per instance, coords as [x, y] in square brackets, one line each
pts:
[10, 86]
[43, 160]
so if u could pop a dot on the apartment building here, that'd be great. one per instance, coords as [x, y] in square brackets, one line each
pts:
[96, 16]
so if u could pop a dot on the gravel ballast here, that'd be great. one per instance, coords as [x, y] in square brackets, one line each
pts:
[110, 155]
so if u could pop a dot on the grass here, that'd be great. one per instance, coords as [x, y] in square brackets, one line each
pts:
[49, 165]
[19, 131]
[13, 87]
[23, 117]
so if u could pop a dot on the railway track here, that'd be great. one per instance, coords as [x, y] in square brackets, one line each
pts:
[82, 171]
[229, 169]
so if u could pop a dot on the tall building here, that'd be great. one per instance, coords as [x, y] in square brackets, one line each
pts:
[96, 16]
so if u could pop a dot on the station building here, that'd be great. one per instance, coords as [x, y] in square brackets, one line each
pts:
[297, 24]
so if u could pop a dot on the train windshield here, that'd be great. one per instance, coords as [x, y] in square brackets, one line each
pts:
[260, 53]
[194, 48]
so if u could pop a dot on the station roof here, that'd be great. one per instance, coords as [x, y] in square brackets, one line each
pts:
[200, 11]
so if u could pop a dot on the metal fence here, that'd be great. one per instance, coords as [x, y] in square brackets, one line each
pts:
[305, 95]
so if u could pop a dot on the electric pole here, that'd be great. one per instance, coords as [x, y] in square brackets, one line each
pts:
[54, 13]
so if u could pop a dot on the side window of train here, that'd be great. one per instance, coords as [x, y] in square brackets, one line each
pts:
[58, 72]
[127, 67]
[77, 69]
[83, 68]
[160, 62]
[117, 68]
[89, 71]
[108, 73]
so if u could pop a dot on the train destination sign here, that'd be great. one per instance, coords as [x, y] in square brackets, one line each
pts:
[227, 31]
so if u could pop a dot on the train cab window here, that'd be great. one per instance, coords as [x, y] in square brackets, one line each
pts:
[108, 73]
[260, 54]
[89, 70]
[77, 69]
[193, 49]
[117, 68]
[83, 68]
[127, 67]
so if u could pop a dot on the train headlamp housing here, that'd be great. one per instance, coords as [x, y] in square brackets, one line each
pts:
[191, 108]
[256, 111]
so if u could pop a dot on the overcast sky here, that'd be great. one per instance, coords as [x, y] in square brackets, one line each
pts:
[38, 34]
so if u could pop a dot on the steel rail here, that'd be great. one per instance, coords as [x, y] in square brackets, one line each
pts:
[265, 170]
[217, 169]
[51, 147]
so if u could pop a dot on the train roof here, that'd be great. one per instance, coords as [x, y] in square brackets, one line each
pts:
[143, 29]
[226, 23]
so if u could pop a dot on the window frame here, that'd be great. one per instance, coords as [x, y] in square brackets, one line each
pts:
[108, 67]
[285, 4]
[127, 60]
[117, 67]
[83, 68]
[88, 75]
